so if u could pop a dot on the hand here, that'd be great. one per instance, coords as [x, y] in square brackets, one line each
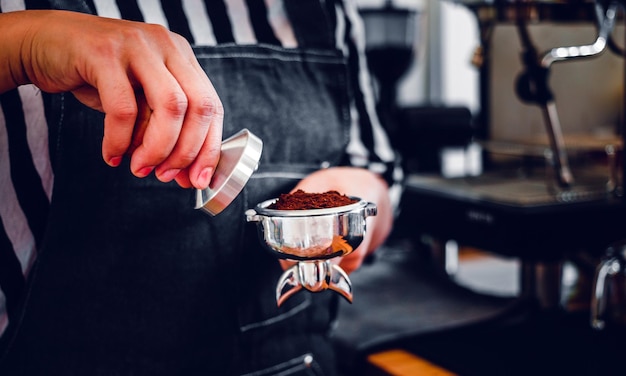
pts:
[366, 185]
[159, 105]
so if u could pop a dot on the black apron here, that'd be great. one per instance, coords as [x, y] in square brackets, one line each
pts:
[131, 280]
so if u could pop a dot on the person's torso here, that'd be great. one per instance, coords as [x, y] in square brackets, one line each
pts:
[130, 276]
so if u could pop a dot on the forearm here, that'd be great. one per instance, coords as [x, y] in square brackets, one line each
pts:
[15, 30]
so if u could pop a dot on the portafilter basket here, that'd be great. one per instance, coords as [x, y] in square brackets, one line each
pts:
[311, 238]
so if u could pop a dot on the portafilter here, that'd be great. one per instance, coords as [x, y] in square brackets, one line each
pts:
[312, 238]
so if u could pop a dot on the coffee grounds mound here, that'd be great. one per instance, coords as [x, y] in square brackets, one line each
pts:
[300, 200]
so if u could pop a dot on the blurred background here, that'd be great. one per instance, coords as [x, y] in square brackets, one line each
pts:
[508, 253]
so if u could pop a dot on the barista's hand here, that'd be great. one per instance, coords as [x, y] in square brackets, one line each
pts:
[360, 183]
[159, 105]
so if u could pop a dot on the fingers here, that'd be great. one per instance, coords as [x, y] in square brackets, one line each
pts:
[198, 146]
[120, 108]
[141, 122]
[201, 170]
[168, 104]
[172, 125]
[352, 262]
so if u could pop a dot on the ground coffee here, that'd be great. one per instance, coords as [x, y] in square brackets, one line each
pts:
[300, 200]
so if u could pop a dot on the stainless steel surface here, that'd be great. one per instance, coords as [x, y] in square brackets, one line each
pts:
[563, 173]
[608, 304]
[606, 22]
[312, 238]
[314, 276]
[238, 160]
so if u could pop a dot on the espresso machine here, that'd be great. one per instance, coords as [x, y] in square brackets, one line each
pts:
[536, 202]
[548, 202]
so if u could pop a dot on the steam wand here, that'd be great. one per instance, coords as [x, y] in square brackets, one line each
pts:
[532, 84]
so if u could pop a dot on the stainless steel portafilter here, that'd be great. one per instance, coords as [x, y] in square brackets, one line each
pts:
[312, 238]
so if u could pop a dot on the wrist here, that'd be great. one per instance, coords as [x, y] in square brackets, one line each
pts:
[14, 51]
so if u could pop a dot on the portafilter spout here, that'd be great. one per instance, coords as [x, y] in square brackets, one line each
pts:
[314, 276]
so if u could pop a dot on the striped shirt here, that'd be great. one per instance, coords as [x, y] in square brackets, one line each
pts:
[26, 175]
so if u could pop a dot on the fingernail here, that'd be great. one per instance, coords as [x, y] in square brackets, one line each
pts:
[204, 177]
[169, 174]
[145, 171]
[115, 161]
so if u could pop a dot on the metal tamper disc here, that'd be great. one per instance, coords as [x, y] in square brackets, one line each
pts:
[238, 160]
